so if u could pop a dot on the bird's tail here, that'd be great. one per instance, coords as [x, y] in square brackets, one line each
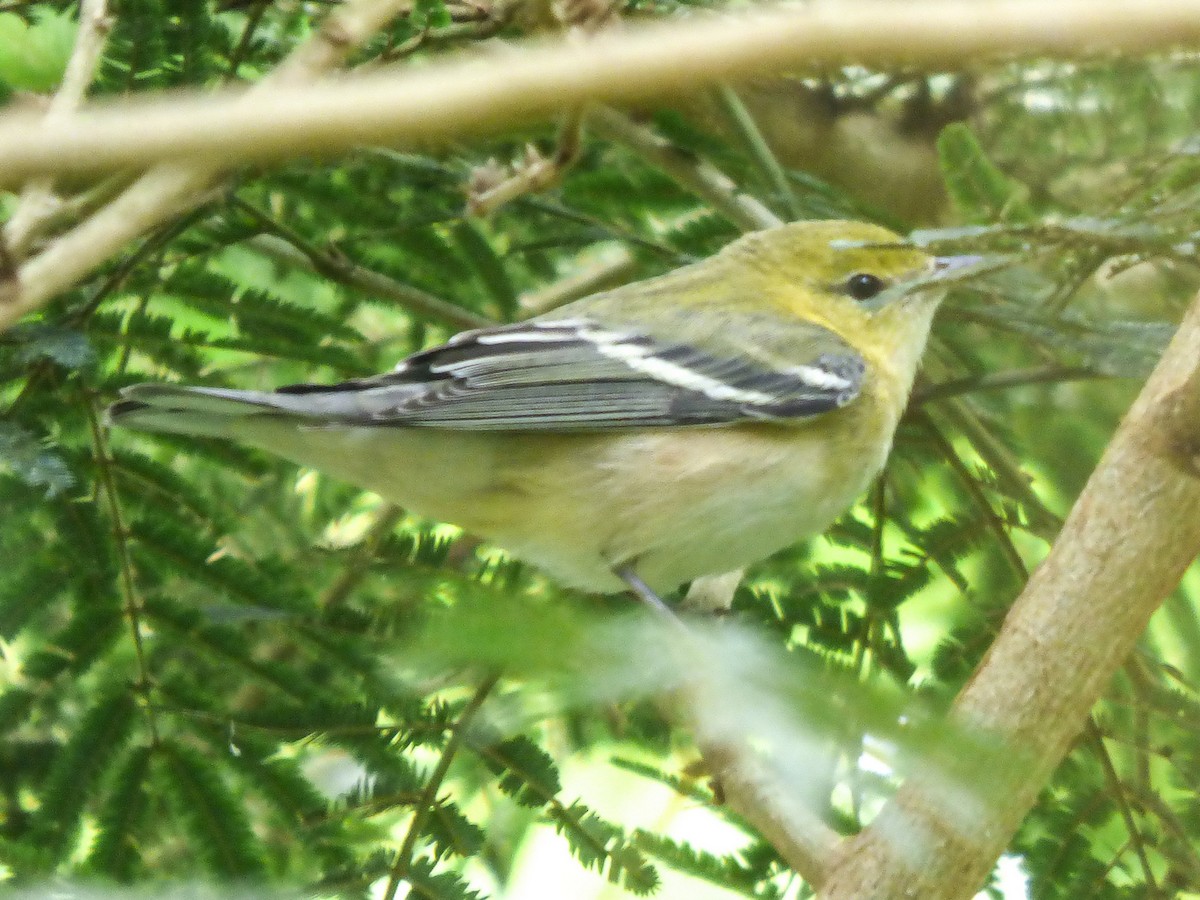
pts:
[210, 412]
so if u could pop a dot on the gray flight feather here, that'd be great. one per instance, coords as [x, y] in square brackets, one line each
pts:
[564, 375]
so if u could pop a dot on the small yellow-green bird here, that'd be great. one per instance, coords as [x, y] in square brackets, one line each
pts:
[681, 426]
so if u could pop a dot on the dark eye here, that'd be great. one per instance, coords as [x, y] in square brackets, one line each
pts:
[864, 285]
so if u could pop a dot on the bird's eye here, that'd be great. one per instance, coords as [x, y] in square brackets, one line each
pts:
[864, 285]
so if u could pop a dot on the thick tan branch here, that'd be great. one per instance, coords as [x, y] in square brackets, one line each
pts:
[208, 135]
[787, 822]
[1127, 542]
[456, 98]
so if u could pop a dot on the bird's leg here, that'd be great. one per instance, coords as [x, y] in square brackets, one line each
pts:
[646, 595]
[644, 592]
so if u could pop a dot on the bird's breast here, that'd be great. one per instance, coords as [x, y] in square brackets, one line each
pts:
[721, 499]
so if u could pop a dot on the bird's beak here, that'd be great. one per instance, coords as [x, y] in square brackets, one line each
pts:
[944, 266]
[932, 286]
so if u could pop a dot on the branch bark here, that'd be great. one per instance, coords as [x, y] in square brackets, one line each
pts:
[787, 823]
[1131, 535]
[537, 78]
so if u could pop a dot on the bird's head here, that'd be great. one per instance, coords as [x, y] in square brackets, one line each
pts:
[855, 278]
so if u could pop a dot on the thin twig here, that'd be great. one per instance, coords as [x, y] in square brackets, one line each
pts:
[133, 608]
[404, 856]
[758, 148]
[113, 282]
[611, 230]
[1140, 682]
[1000, 459]
[536, 173]
[994, 522]
[253, 18]
[614, 269]
[38, 203]
[376, 284]
[690, 172]
[346, 28]
[1117, 790]
[66, 210]
[999, 381]
[1190, 859]
[359, 564]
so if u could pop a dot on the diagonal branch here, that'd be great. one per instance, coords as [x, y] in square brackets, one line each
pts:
[345, 271]
[752, 791]
[695, 175]
[1128, 540]
[402, 865]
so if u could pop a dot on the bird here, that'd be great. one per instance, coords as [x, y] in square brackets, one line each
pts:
[639, 438]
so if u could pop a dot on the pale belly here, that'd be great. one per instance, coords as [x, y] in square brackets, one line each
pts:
[676, 505]
[679, 510]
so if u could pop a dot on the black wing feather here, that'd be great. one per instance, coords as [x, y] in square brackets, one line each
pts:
[576, 375]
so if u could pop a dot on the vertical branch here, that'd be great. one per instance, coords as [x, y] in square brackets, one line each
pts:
[359, 563]
[404, 856]
[1124, 547]
[758, 148]
[133, 610]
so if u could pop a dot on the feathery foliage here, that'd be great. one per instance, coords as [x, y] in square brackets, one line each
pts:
[217, 668]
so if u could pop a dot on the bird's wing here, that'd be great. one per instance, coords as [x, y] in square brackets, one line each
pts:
[560, 375]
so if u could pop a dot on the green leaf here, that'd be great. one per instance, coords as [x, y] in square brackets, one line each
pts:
[488, 266]
[65, 346]
[725, 871]
[527, 773]
[452, 832]
[603, 846]
[221, 834]
[32, 462]
[33, 56]
[95, 744]
[115, 852]
[442, 885]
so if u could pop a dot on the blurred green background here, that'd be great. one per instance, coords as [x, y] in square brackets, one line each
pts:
[218, 670]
